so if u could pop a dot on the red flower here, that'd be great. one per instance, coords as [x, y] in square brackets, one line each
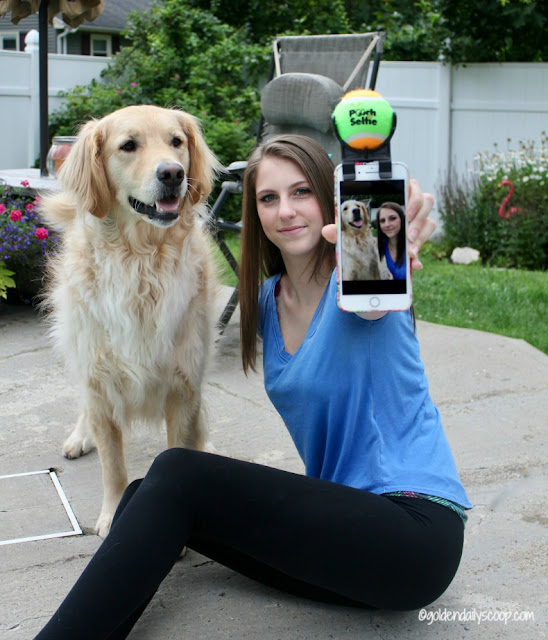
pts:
[25, 183]
[15, 215]
[41, 233]
[2, 208]
[29, 207]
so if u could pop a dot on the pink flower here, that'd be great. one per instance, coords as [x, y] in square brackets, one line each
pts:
[2, 208]
[15, 215]
[118, 91]
[41, 233]
[25, 183]
[37, 200]
[29, 207]
[132, 84]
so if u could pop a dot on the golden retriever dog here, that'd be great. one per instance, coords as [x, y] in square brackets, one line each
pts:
[130, 291]
[360, 255]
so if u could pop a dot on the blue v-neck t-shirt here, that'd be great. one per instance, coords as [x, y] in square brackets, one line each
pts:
[355, 400]
[397, 270]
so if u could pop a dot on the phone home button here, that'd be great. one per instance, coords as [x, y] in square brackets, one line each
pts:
[374, 302]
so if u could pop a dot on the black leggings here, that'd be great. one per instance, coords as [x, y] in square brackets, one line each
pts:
[305, 536]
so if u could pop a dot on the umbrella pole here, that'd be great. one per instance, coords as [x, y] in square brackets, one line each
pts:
[43, 73]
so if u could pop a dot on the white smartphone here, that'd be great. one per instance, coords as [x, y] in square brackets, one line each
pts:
[373, 272]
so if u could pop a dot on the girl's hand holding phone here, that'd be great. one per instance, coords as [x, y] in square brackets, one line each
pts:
[420, 225]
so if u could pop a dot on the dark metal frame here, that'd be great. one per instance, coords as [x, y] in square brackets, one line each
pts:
[218, 227]
[43, 91]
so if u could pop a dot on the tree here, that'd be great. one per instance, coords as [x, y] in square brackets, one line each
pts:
[496, 30]
[415, 29]
[266, 19]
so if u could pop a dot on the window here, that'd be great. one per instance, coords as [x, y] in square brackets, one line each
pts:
[9, 41]
[101, 45]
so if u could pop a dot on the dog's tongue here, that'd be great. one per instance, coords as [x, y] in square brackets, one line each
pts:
[169, 205]
[358, 224]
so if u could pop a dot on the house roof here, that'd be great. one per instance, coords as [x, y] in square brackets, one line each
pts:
[114, 16]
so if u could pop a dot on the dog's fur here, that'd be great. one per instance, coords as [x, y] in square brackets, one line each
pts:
[360, 256]
[131, 288]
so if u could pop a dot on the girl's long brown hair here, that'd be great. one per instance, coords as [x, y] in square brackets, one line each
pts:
[260, 258]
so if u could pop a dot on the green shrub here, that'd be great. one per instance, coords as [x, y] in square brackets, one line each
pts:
[469, 207]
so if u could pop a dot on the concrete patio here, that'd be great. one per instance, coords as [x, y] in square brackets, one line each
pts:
[493, 395]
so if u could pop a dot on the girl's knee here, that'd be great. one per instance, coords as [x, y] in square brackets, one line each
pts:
[170, 459]
[176, 464]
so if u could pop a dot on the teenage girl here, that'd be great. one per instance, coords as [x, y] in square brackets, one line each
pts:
[378, 519]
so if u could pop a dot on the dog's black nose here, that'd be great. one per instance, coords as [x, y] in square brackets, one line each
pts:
[170, 174]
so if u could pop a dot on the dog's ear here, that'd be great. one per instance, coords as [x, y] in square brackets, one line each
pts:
[83, 172]
[204, 166]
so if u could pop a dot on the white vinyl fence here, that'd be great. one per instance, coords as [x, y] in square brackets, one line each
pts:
[19, 97]
[446, 114]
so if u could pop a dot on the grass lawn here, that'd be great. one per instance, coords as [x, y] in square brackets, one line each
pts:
[226, 275]
[505, 301]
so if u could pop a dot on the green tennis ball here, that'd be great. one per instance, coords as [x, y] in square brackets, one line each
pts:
[363, 119]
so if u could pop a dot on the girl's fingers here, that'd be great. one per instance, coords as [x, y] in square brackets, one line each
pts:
[329, 232]
[420, 224]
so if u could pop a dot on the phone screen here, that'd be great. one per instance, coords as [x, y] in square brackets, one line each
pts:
[372, 241]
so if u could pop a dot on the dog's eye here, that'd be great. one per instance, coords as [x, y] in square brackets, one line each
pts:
[176, 142]
[129, 146]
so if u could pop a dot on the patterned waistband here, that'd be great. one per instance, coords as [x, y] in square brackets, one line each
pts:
[424, 496]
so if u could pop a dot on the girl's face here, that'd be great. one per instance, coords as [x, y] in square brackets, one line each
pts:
[289, 212]
[390, 222]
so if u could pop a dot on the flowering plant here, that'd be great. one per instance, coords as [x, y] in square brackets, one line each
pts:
[25, 243]
[529, 161]
[501, 207]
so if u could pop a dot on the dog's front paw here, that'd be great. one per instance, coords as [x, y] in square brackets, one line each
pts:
[80, 441]
[102, 526]
[76, 446]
